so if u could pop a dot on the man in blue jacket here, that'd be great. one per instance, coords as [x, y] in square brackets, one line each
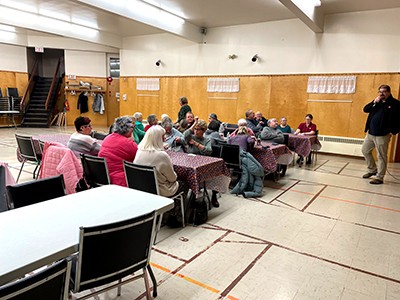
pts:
[383, 121]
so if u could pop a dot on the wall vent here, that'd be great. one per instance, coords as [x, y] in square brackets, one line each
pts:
[341, 145]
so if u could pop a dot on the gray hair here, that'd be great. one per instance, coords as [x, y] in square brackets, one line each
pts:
[166, 122]
[137, 115]
[242, 122]
[270, 120]
[122, 125]
[151, 118]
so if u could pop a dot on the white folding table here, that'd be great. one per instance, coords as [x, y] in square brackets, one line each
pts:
[39, 234]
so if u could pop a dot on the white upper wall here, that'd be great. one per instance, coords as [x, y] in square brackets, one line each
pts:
[13, 58]
[84, 63]
[352, 42]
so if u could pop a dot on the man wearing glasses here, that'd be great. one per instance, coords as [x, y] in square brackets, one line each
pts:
[383, 121]
[81, 141]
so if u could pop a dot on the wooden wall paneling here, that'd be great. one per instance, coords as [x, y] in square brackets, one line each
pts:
[195, 89]
[128, 87]
[111, 100]
[255, 94]
[148, 103]
[169, 97]
[96, 118]
[224, 105]
[289, 98]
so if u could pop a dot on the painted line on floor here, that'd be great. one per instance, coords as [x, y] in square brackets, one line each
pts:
[284, 203]
[169, 254]
[315, 169]
[360, 203]
[316, 257]
[284, 191]
[245, 271]
[340, 171]
[313, 198]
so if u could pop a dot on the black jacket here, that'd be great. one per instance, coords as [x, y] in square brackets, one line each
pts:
[390, 116]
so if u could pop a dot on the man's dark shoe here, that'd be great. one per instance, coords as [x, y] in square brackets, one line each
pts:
[368, 175]
[376, 181]
[214, 202]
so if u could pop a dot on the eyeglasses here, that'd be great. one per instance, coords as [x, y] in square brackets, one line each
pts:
[89, 125]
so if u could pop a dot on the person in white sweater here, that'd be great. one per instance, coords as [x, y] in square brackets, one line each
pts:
[151, 153]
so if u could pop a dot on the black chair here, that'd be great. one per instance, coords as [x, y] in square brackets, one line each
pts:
[99, 135]
[231, 155]
[110, 252]
[50, 283]
[35, 191]
[95, 170]
[144, 178]
[28, 153]
[3, 192]
[314, 150]
[14, 98]
[216, 151]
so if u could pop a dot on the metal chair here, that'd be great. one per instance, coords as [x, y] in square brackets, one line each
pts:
[314, 149]
[110, 252]
[50, 283]
[3, 193]
[35, 191]
[144, 178]
[95, 170]
[28, 153]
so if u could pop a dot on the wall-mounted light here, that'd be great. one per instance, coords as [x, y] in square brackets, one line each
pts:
[232, 56]
[254, 58]
[158, 63]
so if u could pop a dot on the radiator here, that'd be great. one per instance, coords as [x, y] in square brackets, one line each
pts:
[341, 145]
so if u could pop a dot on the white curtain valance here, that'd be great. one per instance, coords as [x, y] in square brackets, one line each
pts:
[331, 84]
[148, 84]
[224, 85]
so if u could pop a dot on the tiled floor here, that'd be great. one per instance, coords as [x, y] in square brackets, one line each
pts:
[321, 232]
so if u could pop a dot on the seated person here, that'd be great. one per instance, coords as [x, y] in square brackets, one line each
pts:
[284, 127]
[213, 117]
[212, 132]
[138, 120]
[151, 121]
[306, 128]
[271, 132]
[260, 119]
[252, 122]
[242, 122]
[151, 153]
[189, 119]
[117, 147]
[185, 108]
[81, 141]
[199, 144]
[174, 139]
[243, 139]
[183, 125]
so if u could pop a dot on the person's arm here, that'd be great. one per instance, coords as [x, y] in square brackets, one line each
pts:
[297, 131]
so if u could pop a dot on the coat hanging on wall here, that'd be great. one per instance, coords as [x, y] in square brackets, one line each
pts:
[83, 102]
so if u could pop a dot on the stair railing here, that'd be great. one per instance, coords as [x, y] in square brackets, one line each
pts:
[30, 86]
[54, 84]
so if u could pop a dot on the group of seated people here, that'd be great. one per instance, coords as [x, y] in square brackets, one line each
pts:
[131, 141]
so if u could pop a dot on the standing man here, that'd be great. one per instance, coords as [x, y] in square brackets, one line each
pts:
[383, 121]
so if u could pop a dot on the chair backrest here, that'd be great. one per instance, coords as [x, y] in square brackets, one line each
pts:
[50, 283]
[41, 145]
[12, 92]
[95, 170]
[99, 135]
[3, 192]
[26, 148]
[112, 251]
[231, 155]
[286, 139]
[216, 150]
[35, 191]
[142, 178]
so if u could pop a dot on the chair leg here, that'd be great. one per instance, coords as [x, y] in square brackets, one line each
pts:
[146, 283]
[183, 211]
[20, 170]
[153, 280]
[119, 288]
[158, 227]
[36, 176]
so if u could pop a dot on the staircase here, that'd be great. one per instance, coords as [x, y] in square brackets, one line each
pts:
[36, 115]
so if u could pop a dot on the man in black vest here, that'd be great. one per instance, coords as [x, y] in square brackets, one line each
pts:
[383, 121]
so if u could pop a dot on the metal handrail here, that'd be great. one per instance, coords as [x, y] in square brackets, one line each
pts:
[53, 83]
[30, 85]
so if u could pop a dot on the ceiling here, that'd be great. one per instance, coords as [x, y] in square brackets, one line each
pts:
[115, 24]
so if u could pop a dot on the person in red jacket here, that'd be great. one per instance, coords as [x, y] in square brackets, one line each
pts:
[117, 147]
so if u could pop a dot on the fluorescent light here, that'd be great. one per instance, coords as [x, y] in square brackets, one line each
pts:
[155, 3]
[86, 23]
[54, 14]
[19, 6]
[85, 31]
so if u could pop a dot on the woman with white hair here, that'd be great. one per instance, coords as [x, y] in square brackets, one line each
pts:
[117, 147]
[151, 153]
[242, 123]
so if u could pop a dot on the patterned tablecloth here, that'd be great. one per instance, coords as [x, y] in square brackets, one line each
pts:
[199, 169]
[303, 144]
[269, 155]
